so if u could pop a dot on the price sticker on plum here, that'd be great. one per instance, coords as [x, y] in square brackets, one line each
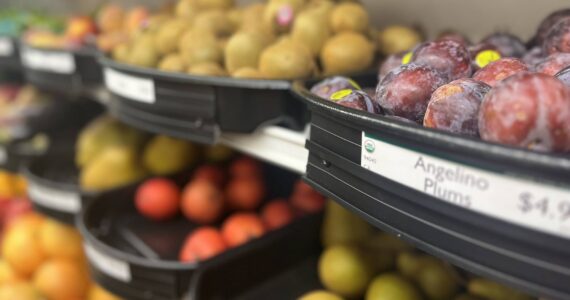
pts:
[130, 87]
[51, 61]
[115, 268]
[541, 206]
[59, 200]
[6, 46]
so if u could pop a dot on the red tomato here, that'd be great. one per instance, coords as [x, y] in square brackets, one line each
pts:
[202, 202]
[245, 193]
[240, 228]
[201, 244]
[158, 199]
[245, 167]
[277, 214]
[211, 173]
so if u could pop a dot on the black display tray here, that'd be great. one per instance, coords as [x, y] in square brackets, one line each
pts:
[10, 54]
[525, 257]
[67, 72]
[198, 108]
[53, 186]
[136, 258]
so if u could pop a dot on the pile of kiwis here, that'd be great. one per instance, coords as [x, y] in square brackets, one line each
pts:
[274, 39]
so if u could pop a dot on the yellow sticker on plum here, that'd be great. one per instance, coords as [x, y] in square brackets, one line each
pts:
[340, 94]
[486, 57]
[407, 58]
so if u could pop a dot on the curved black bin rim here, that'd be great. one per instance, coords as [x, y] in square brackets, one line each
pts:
[84, 50]
[559, 163]
[80, 224]
[198, 79]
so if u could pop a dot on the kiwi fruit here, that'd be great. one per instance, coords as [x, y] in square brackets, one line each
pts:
[143, 52]
[216, 21]
[286, 59]
[347, 52]
[186, 9]
[121, 53]
[396, 39]
[168, 35]
[243, 50]
[311, 29]
[215, 4]
[349, 17]
[247, 72]
[207, 69]
[172, 63]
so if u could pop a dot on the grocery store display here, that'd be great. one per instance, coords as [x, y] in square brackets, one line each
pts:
[499, 135]
[416, 146]
[173, 230]
[108, 154]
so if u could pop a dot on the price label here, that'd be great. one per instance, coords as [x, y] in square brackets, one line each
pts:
[540, 206]
[6, 46]
[55, 199]
[52, 61]
[115, 268]
[130, 87]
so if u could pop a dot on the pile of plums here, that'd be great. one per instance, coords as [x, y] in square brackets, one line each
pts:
[498, 89]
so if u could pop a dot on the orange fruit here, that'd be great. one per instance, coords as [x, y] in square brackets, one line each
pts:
[246, 167]
[245, 193]
[202, 202]
[60, 241]
[7, 274]
[7, 186]
[201, 244]
[61, 279]
[277, 214]
[240, 228]
[21, 247]
[98, 293]
[19, 291]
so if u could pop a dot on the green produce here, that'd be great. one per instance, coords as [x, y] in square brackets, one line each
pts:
[311, 29]
[392, 287]
[113, 167]
[320, 295]
[346, 53]
[493, 291]
[287, 59]
[396, 39]
[343, 227]
[467, 297]
[345, 270]
[244, 49]
[437, 281]
[165, 155]
[382, 241]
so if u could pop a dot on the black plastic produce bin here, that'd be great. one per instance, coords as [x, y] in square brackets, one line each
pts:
[198, 108]
[385, 170]
[9, 54]
[67, 72]
[136, 258]
[53, 186]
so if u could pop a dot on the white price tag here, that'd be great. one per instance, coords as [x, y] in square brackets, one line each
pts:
[115, 268]
[540, 206]
[55, 199]
[130, 87]
[52, 61]
[6, 46]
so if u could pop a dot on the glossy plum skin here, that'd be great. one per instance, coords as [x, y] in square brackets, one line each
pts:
[547, 24]
[406, 91]
[558, 37]
[553, 64]
[454, 107]
[447, 56]
[496, 71]
[529, 110]
[533, 56]
[326, 88]
[564, 76]
[359, 100]
[390, 63]
[455, 36]
[507, 44]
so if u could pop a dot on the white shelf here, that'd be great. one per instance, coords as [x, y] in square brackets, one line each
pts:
[276, 145]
